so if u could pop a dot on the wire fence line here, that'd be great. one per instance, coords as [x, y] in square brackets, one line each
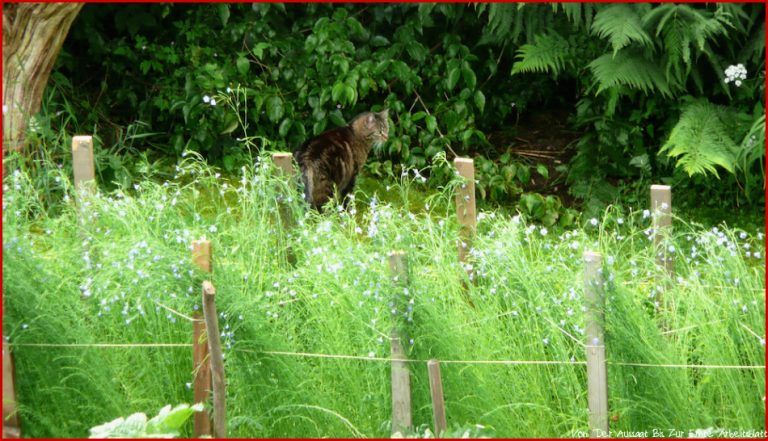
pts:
[386, 359]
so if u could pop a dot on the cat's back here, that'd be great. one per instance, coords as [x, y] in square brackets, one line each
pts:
[327, 144]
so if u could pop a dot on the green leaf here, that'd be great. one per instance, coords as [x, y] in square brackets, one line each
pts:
[542, 170]
[350, 96]
[310, 43]
[480, 101]
[453, 77]
[418, 116]
[230, 123]
[379, 41]
[258, 50]
[243, 65]
[285, 126]
[223, 10]
[337, 118]
[467, 135]
[275, 108]
[337, 93]
[469, 75]
[431, 123]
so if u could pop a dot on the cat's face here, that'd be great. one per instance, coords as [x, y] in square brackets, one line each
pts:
[375, 126]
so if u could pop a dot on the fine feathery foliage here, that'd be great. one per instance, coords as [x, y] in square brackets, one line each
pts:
[700, 140]
[547, 53]
[629, 68]
[682, 29]
[622, 25]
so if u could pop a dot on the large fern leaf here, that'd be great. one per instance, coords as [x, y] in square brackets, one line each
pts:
[686, 32]
[700, 140]
[629, 68]
[547, 53]
[621, 24]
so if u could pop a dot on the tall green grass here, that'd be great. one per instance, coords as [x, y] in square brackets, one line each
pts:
[116, 268]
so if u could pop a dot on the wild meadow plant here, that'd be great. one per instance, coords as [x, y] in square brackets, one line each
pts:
[115, 268]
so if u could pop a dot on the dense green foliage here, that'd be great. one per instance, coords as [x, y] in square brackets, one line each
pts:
[638, 81]
[116, 268]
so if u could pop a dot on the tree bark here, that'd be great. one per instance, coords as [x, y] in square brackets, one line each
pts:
[33, 34]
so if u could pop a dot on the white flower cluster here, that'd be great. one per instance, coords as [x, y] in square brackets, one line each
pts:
[209, 100]
[736, 74]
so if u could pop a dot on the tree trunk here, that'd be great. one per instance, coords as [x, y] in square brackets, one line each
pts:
[33, 34]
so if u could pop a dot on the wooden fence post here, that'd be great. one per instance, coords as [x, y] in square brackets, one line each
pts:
[217, 361]
[82, 162]
[661, 212]
[597, 375]
[438, 402]
[465, 207]
[401, 377]
[201, 254]
[11, 426]
[284, 161]
[201, 257]
[202, 374]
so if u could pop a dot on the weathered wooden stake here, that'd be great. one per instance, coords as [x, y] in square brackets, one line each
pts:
[201, 257]
[82, 162]
[401, 388]
[11, 427]
[202, 374]
[661, 212]
[465, 206]
[438, 402]
[284, 161]
[201, 254]
[217, 360]
[597, 378]
[401, 376]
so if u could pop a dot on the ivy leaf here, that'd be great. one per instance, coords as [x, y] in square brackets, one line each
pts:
[453, 78]
[480, 100]
[469, 75]
[275, 108]
[243, 65]
[418, 116]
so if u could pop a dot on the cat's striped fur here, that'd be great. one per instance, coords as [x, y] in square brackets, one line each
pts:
[331, 161]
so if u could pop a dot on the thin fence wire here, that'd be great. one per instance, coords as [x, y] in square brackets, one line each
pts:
[386, 359]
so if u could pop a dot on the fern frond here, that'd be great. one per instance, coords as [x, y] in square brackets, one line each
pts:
[629, 68]
[621, 24]
[547, 53]
[754, 49]
[700, 140]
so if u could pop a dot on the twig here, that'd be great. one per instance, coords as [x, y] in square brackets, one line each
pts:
[437, 127]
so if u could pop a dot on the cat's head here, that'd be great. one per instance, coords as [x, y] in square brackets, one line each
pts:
[373, 126]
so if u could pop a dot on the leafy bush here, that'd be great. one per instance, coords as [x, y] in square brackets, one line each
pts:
[167, 424]
[158, 77]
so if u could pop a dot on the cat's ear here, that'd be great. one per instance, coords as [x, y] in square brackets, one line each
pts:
[371, 119]
[384, 114]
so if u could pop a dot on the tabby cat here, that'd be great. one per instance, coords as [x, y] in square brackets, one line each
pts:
[331, 161]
